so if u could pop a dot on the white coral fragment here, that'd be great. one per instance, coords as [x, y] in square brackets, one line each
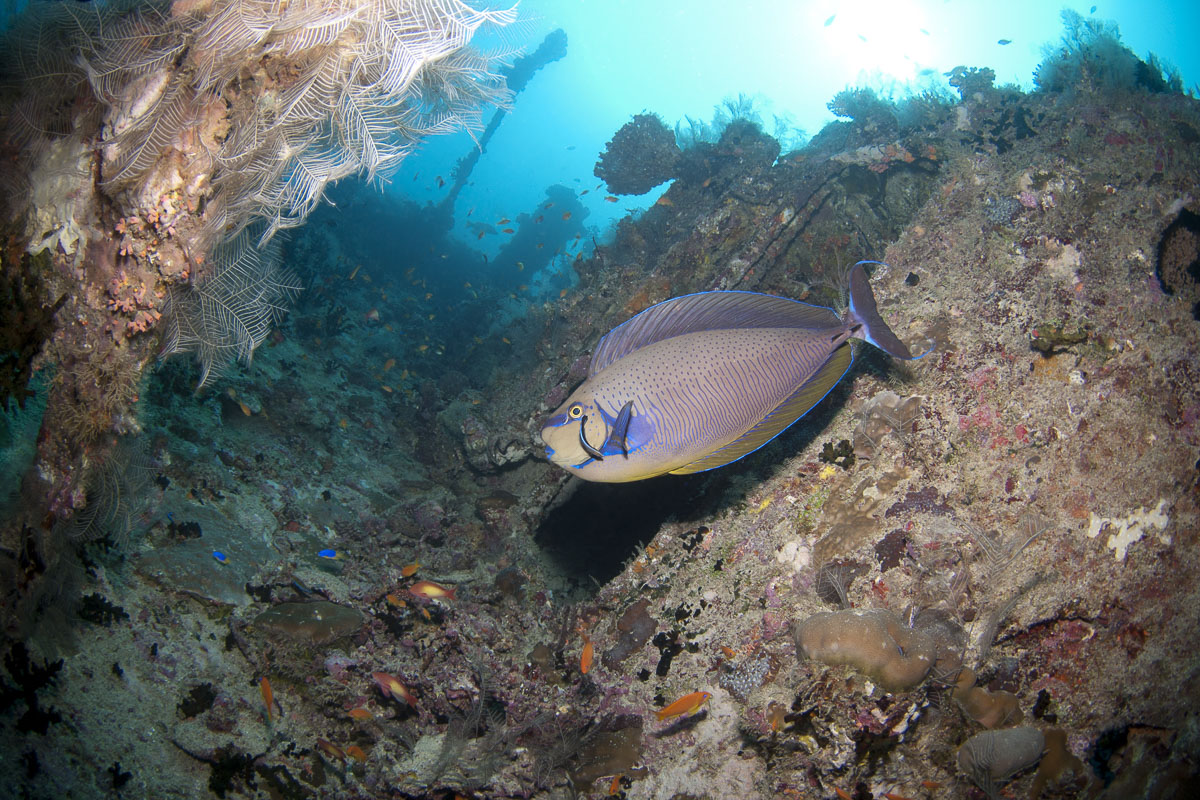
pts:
[59, 179]
[1124, 532]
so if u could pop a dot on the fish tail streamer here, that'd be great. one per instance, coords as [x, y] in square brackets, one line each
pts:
[864, 312]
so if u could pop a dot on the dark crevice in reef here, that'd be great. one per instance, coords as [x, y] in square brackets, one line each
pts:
[600, 526]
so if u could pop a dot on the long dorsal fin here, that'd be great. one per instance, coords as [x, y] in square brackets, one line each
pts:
[800, 403]
[707, 311]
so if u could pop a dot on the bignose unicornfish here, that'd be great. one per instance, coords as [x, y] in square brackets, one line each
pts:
[699, 381]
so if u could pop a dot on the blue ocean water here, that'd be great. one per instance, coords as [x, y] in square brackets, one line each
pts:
[681, 60]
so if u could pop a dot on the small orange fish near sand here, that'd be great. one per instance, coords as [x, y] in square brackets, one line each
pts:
[360, 713]
[356, 752]
[391, 686]
[268, 696]
[664, 201]
[395, 601]
[432, 591]
[842, 793]
[391, 362]
[684, 705]
[408, 570]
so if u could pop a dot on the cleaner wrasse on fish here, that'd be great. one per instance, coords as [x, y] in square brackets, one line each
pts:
[699, 381]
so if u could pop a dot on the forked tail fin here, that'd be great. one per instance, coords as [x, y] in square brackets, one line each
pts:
[863, 311]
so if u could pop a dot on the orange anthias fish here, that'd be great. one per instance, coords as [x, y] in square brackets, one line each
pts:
[684, 705]
[331, 750]
[360, 713]
[408, 570]
[431, 591]
[585, 660]
[268, 696]
[391, 686]
[356, 752]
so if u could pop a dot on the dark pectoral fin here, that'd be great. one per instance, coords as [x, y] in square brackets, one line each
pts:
[796, 406]
[619, 432]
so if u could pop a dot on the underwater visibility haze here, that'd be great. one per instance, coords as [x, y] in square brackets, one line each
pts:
[438, 399]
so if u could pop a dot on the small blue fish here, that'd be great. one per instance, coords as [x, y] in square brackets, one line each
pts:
[220, 557]
[1003, 41]
[332, 555]
[702, 380]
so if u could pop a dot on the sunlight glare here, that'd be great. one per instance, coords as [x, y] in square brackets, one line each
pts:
[876, 37]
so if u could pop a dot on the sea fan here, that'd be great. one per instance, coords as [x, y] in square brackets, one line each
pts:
[226, 316]
[308, 92]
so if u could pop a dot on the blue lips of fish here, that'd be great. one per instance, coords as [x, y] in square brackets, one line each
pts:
[699, 381]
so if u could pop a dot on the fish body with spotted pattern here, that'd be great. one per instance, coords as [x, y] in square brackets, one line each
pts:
[699, 381]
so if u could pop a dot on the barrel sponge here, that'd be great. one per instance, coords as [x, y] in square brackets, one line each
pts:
[874, 642]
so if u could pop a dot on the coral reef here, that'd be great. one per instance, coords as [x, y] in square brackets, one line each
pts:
[1091, 56]
[639, 157]
[144, 141]
[1022, 500]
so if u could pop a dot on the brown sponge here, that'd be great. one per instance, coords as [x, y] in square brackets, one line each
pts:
[875, 642]
[989, 709]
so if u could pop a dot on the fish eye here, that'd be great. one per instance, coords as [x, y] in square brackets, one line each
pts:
[575, 411]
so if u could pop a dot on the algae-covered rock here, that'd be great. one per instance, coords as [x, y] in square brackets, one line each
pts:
[874, 642]
[319, 622]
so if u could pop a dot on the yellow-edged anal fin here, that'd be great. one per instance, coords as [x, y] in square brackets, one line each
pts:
[796, 406]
